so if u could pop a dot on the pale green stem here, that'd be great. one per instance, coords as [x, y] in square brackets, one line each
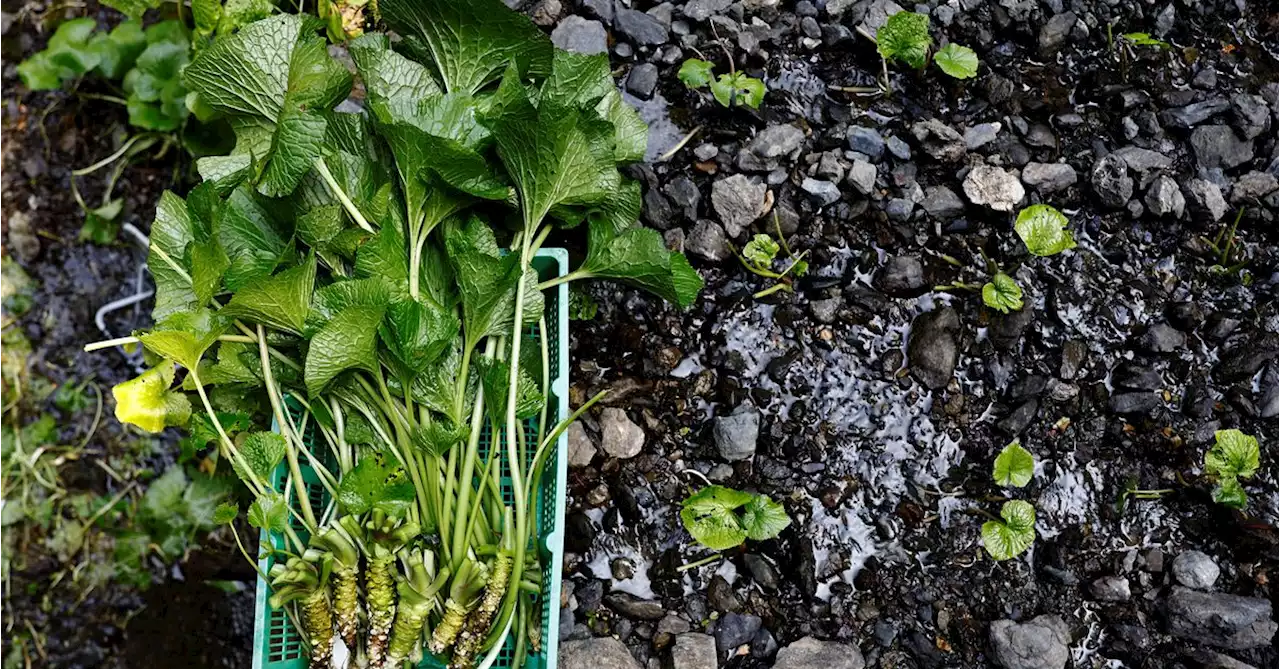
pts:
[337, 191]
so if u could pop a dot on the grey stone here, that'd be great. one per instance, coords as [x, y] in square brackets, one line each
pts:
[1111, 181]
[694, 650]
[899, 209]
[762, 571]
[1133, 403]
[776, 141]
[1163, 338]
[993, 187]
[901, 276]
[634, 607]
[811, 653]
[580, 35]
[684, 194]
[1207, 659]
[736, 434]
[738, 201]
[865, 141]
[601, 9]
[1040, 643]
[1111, 589]
[706, 151]
[862, 176]
[939, 140]
[734, 630]
[1225, 621]
[932, 350]
[642, 79]
[980, 135]
[830, 167]
[1251, 114]
[23, 241]
[701, 10]
[639, 27]
[619, 436]
[1142, 160]
[1252, 186]
[581, 448]
[942, 202]
[1218, 146]
[1205, 198]
[1164, 198]
[600, 653]
[821, 193]
[707, 240]
[877, 13]
[837, 7]
[824, 311]
[900, 149]
[1048, 177]
[1194, 114]
[1054, 32]
[1195, 570]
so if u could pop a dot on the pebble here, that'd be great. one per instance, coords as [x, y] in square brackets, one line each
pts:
[1162, 338]
[862, 176]
[776, 141]
[639, 27]
[1218, 146]
[1225, 621]
[942, 202]
[581, 448]
[1111, 589]
[701, 10]
[1053, 34]
[634, 607]
[642, 80]
[932, 350]
[694, 650]
[811, 653]
[980, 135]
[939, 140]
[821, 193]
[580, 35]
[865, 141]
[1133, 403]
[734, 630]
[619, 436]
[736, 434]
[901, 276]
[1048, 178]
[598, 653]
[1040, 643]
[1193, 114]
[762, 571]
[707, 240]
[1195, 570]
[898, 148]
[738, 201]
[1205, 198]
[1111, 181]
[993, 187]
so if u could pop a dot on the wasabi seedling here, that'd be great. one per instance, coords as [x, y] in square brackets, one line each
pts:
[905, 38]
[1012, 533]
[721, 518]
[760, 254]
[1044, 230]
[729, 90]
[1234, 456]
[1014, 466]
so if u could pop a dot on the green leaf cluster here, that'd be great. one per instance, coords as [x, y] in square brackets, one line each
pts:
[1013, 533]
[904, 37]
[1002, 293]
[720, 518]
[1233, 456]
[729, 89]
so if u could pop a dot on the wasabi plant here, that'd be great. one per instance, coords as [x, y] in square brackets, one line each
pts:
[760, 255]
[905, 38]
[730, 90]
[1233, 456]
[1044, 230]
[1015, 530]
[721, 518]
[344, 275]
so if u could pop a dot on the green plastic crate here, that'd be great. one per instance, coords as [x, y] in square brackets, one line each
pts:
[277, 645]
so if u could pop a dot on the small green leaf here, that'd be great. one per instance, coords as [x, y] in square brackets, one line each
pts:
[1002, 293]
[1234, 454]
[761, 251]
[957, 61]
[437, 438]
[1145, 39]
[1007, 539]
[905, 37]
[269, 512]
[377, 482]
[1230, 493]
[1044, 230]
[696, 73]
[709, 516]
[147, 402]
[100, 225]
[225, 514]
[763, 518]
[639, 257]
[262, 451]
[184, 337]
[738, 88]
[281, 301]
[1014, 466]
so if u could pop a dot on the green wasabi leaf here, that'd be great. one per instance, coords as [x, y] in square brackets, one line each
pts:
[905, 37]
[230, 367]
[1002, 293]
[67, 56]
[348, 341]
[763, 518]
[1044, 230]
[252, 237]
[147, 402]
[696, 73]
[184, 337]
[437, 438]
[738, 88]
[761, 251]
[376, 483]
[639, 257]
[1014, 466]
[335, 297]
[1234, 454]
[133, 9]
[957, 61]
[709, 516]
[469, 43]
[1231, 494]
[495, 376]
[281, 301]
[1009, 538]
[415, 334]
[261, 451]
[118, 50]
[225, 514]
[269, 512]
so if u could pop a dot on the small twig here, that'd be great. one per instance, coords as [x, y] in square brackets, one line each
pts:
[679, 145]
[704, 561]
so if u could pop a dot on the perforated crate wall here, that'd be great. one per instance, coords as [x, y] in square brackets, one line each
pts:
[277, 644]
